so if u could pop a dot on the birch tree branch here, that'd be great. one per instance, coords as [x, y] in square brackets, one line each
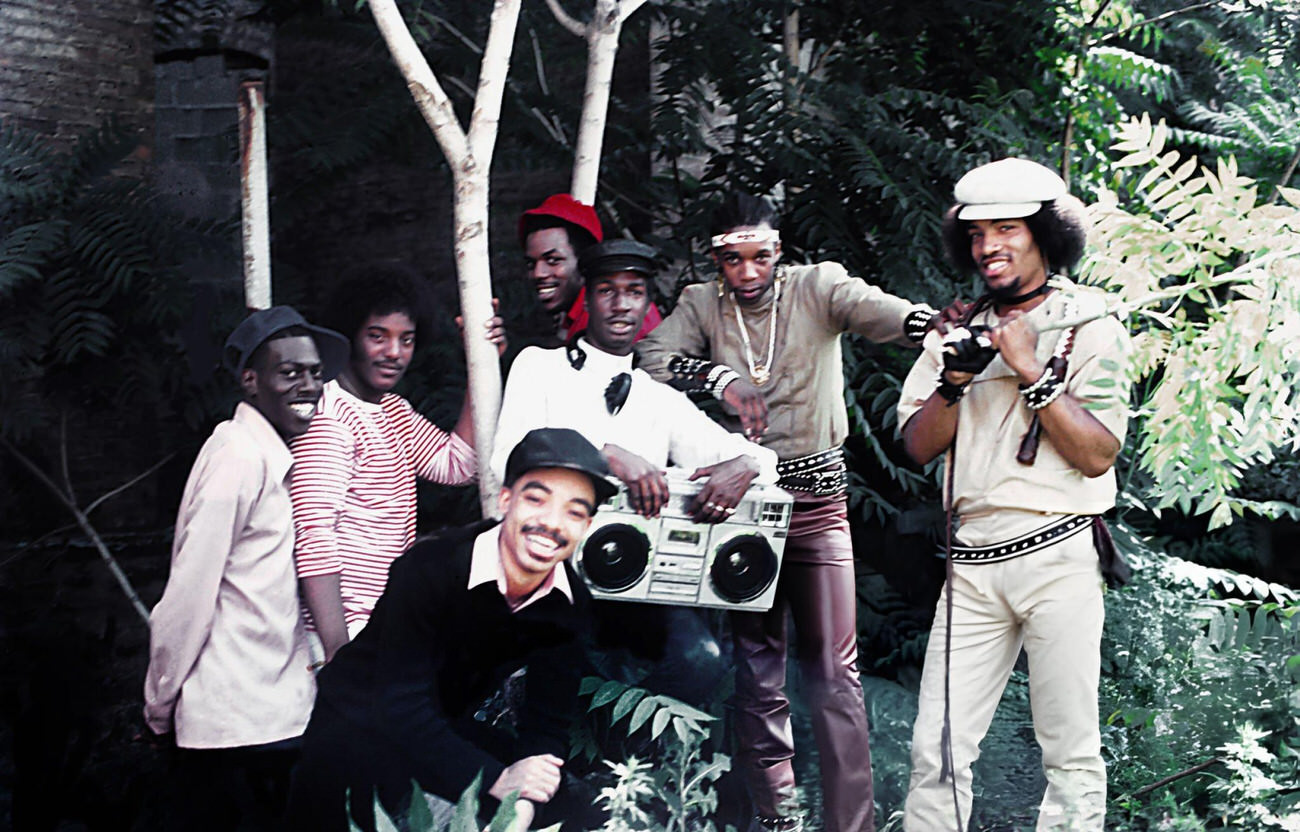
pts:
[492, 82]
[566, 20]
[429, 97]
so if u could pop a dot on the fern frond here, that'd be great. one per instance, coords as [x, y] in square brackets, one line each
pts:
[1128, 70]
[26, 171]
[26, 250]
[97, 152]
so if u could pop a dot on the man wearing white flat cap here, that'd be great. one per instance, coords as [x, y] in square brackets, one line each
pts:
[1030, 419]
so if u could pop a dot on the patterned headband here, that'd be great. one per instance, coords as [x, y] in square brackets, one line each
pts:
[753, 235]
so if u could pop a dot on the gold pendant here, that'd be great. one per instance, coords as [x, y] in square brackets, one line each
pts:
[760, 377]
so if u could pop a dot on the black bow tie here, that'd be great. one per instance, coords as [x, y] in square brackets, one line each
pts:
[616, 393]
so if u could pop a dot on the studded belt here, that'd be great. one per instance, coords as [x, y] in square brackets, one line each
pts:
[821, 473]
[1026, 543]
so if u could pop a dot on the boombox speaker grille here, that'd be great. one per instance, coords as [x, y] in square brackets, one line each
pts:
[743, 568]
[615, 557]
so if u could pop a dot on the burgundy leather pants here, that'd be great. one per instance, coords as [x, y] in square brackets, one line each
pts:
[817, 588]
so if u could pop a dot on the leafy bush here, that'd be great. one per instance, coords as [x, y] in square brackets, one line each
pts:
[675, 793]
[1191, 654]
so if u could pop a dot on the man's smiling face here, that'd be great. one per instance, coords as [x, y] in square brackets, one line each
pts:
[1007, 257]
[283, 382]
[546, 512]
[552, 267]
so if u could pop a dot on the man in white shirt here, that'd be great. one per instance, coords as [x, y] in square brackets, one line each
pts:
[639, 425]
[229, 671]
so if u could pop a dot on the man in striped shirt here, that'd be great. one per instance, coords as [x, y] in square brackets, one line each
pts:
[354, 496]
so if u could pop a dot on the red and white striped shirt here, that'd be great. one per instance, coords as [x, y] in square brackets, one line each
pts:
[353, 490]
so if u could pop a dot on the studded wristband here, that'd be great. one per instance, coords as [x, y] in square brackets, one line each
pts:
[917, 323]
[697, 375]
[1047, 389]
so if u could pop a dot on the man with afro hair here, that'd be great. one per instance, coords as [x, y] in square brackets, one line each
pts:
[1030, 411]
[354, 495]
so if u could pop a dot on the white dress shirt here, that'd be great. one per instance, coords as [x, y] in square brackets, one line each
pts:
[485, 567]
[656, 422]
[228, 656]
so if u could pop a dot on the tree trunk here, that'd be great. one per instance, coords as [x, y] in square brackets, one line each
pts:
[602, 47]
[473, 264]
[469, 153]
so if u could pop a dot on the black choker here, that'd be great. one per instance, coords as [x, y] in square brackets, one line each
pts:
[1019, 299]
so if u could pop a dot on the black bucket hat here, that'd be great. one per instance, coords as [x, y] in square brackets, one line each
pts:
[334, 349]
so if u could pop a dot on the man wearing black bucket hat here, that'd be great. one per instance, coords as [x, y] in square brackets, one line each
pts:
[1031, 412]
[229, 671]
[462, 612]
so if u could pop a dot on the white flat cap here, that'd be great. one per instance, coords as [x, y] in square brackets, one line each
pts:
[1006, 189]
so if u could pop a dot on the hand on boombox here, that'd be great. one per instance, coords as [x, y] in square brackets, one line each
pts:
[647, 487]
[967, 350]
[724, 487]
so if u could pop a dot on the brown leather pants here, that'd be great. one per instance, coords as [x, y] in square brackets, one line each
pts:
[817, 588]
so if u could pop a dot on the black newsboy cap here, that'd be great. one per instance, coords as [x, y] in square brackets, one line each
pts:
[614, 256]
[560, 448]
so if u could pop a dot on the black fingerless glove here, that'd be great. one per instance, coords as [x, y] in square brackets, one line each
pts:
[967, 350]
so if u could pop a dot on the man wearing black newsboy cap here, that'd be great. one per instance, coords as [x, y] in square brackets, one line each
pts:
[229, 674]
[462, 612]
[1030, 414]
[640, 426]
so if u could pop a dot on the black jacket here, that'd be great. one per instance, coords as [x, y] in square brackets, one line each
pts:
[434, 650]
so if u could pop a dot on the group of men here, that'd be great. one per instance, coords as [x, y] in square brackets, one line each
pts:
[297, 577]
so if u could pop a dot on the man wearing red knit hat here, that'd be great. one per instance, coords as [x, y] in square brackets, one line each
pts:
[553, 235]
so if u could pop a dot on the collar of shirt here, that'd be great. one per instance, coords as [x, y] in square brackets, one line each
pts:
[333, 387]
[485, 567]
[279, 458]
[603, 363]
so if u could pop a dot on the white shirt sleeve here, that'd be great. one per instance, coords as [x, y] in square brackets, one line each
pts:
[697, 441]
[523, 396]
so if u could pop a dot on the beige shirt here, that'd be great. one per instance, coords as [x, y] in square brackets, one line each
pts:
[805, 395]
[993, 419]
[228, 656]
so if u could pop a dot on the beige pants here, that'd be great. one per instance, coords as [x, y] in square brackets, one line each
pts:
[1050, 603]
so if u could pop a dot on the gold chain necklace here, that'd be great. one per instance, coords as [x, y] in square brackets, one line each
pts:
[761, 373]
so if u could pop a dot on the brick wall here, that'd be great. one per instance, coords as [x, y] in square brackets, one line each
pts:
[65, 66]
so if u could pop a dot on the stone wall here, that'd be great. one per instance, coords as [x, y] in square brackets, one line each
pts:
[66, 66]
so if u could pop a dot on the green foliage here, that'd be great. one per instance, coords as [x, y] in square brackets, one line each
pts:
[1190, 652]
[1254, 784]
[674, 793]
[89, 295]
[1212, 281]
[464, 818]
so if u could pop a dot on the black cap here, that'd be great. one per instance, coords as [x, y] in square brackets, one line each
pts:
[334, 349]
[560, 448]
[614, 256]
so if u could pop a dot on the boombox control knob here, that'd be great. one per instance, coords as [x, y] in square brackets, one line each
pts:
[615, 557]
[743, 568]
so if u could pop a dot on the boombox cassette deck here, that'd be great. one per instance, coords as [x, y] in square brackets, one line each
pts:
[671, 559]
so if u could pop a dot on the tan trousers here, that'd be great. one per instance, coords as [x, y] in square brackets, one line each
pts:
[1050, 603]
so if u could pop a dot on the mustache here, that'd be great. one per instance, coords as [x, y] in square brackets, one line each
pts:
[557, 538]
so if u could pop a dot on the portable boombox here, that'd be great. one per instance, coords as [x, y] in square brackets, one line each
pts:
[671, 559]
